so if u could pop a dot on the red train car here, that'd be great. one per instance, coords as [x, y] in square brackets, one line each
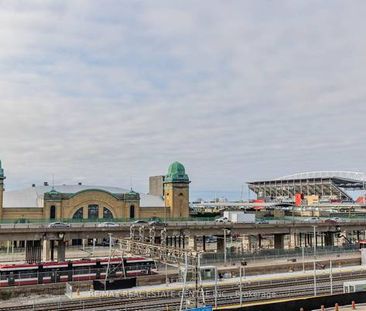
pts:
[77, 270]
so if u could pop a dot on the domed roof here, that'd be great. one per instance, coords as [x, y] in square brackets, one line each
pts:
[1, 171]
[176, 173]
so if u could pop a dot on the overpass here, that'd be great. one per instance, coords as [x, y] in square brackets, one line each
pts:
[182, 234]
[27, 232]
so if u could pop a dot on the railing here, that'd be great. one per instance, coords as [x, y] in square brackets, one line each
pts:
[271, 254]
[100, 220]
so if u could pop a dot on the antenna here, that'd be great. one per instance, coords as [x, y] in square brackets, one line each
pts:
[53, 181]
[131, 186]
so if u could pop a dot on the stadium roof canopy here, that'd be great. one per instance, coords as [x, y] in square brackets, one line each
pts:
[322, 183]
[356, 176]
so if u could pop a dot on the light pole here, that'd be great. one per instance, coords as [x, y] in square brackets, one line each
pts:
[215, 287]
[331, 276]
[241, 285]
[225, 246]
[315, 289]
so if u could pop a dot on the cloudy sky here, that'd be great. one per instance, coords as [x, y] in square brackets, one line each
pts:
[110, 92]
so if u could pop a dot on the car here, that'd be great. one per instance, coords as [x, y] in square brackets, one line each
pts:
[261, 222]
[139, 221]
[222, 220]
[58, 224]
[312, 219]
[330, 221]
[108, 225]
[156, 223]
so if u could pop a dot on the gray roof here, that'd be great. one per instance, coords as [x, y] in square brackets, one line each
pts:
[357, 176]
[33, 196]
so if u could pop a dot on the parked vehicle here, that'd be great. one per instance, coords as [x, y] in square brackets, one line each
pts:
[108, 225]
[58, 224]
[239, 217]
[139, 221]
[222, 220]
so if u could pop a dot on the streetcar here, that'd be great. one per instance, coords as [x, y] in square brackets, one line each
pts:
[76, 270]
[362, 244]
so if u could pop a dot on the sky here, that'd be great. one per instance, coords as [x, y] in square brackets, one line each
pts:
[111, 92]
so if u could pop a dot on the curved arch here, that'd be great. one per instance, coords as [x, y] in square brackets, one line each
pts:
[93, 190]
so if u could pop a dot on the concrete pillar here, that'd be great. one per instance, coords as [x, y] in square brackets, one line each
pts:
[46, 250]
[247, 243]
[84, 242]
[279, 241]
[192, 243]
[292, 242]
[60, 251]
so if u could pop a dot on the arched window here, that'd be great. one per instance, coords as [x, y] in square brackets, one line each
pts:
[93, 211]
[52, 212]
[107, 214]
[132, 211]
[78, 214]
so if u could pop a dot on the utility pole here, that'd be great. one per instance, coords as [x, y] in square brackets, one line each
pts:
[216, 287]
[315, 289]
[225, 246]
[241, 286]
[196, 280]
[331, 276]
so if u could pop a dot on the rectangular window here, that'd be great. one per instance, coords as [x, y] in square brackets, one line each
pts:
[93, 211]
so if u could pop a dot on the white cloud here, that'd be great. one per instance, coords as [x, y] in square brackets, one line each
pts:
[113, 90]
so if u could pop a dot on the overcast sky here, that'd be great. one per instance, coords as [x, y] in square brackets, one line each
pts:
[111, 92]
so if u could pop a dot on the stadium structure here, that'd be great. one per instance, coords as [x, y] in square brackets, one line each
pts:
[325, 185]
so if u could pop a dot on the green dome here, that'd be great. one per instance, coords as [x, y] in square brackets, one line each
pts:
[1, 170]
[176, 173]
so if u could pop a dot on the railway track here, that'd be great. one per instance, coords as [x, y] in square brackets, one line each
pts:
[228, 294]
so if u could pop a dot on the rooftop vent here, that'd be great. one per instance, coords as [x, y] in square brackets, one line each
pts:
[45, 183]
[79, 183]
[33, 185]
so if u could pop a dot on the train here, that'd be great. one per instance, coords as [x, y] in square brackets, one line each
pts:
[74, 270]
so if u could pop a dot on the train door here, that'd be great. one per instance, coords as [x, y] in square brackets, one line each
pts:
[55, 276]
[40, 274]
[98, 267]
[69, 271]
[11, 278]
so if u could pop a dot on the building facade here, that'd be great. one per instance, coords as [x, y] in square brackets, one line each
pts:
[95, 203]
